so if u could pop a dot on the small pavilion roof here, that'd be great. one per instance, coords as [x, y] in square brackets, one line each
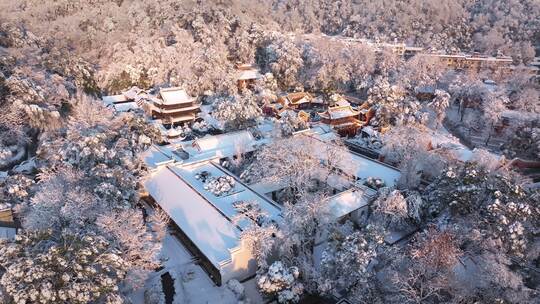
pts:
[173, 96]
[339, 112]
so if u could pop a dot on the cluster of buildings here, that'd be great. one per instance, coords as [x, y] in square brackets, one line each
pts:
[204, 220]
[459, 61]
[166, 108]
[169, 108]
[345, 119]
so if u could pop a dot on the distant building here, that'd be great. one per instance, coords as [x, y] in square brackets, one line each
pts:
[247, 75]
[297, 101]
[474, 62]
[411, 51]
[343, 118]
[126, 101]
[174, 106]
[272, 109]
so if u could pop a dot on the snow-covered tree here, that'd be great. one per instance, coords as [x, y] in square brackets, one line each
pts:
[280, 56]
[129, 233]
[345, 261]
[61, 202]
[493, 109]
[393, 105]
[68, 268]
[402, 142]
[289, 122]
[426, 269]
[495, 202]
[468, 91]
[237, 111]
[393, 210]
[306, 161]
[260, 233]
[282, 282]
[439, 104]
[421, 71]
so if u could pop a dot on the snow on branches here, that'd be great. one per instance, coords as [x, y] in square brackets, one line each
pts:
[67, 268]
[345, 261]
[237, 111]
[281, 281]
[496, 201]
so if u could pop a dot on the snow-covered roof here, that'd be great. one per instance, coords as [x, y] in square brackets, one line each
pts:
[113, 99]
[205, 226]
[224, 203]
[429, 89]
[414, 48]
[125, 106]
[342, 102]
[296, 98]
[339, 112]
[520, 115]
[155, 157]
[222, 145]
[470, 57]
[348, 201]
[135, 92]
[202, 149]
[361, 166]
[248, 74]
[323, 132]
[223, 141]
[5, 206]
[174, 95]
[204, 217]
[366, 167]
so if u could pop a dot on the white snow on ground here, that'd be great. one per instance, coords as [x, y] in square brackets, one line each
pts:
[192, 285]
[252, 292]
[125, 107]
[173, 253]
[442, 139]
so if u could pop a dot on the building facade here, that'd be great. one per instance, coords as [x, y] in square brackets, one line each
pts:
[344, 119]
[174, 106]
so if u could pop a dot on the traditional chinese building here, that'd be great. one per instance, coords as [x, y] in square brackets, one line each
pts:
[174, 106]
[247, 75]
[297, 101]
[127, 101]
[343, 118]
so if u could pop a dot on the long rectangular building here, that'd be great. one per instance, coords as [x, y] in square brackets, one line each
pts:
[205, 221]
